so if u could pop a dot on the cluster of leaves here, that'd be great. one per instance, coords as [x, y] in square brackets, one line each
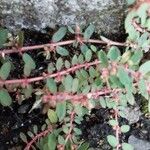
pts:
[137, 25]
[76, 83]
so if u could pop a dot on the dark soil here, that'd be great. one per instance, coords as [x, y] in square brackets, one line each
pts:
[95, 129]
[16, 119]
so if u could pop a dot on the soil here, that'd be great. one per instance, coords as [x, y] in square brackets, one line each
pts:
[16, 119]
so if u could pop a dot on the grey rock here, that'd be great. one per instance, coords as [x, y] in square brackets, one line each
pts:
[106, 15]
[138, 144]
[132, 114]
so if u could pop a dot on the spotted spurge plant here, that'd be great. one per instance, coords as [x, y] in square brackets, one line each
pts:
[78, 80]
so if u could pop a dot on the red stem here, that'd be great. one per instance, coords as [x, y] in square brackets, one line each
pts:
[78, 97]
[61, 73]
[38, 136]
[27, 48]
[71, 127]
[117, 129]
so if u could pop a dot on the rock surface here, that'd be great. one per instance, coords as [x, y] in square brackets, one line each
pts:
[132, 114]
[106, 15]
[138, 144]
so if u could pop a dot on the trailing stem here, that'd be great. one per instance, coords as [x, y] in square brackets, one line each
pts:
[38, 136]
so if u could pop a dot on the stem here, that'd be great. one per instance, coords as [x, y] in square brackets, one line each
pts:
[61, 73]
[61, 96]
[117, 128]
[28, 48]
[71, 126]
[38, 136]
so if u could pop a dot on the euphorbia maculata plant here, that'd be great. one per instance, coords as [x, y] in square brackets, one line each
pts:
[77, 81]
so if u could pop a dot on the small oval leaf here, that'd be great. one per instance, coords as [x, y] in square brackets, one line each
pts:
[5, 98]
[59, 34]
[52, 116]
[62, 51]
[5, 70]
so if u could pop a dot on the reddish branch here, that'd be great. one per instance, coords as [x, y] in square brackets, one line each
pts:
[38, 136]
[45, 76]
[52, 99]
[117, 129]
[69, 135]
[53, 45]
[138, 27]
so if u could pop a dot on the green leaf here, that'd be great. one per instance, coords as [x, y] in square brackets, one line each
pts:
[5, 70]
[61, 140]
[130, 97]
[52, 116]
[30, 134]
[125, 128]
[92, 72]
[67, 64]
[71, 30]
[59, 34]
[5, 98]
[74, 60]
[75, 85]
[59, 64]
[89, 31]
[86, 89]
[126, 146]
[3, 36]
[145, 68]
[68, 83]
[130, 2]
[125, 57]
[29, 64]
[51, 84]
[102, 102]
[136, 57]
[35, 129]
[103, 58]
[143, 89]
[65, 129]
[142, 12]
[124, 77]
[80, 59]
[23, 137]
[115, 82]
[78, 110]
[52, 142]
[84, 146]
[28, 91]
[123, 99]
[50, 68]
[84, 48]
[113, 122]
[93, 48]
[112, 140]
[84, 73]
[77, 131]
[88, 55]
[62, 51]
[122, 114]
[113, 53]
[61, 110]
[110, 103]
[28, 60]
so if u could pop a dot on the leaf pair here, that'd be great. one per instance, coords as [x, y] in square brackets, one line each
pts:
[59, 114]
